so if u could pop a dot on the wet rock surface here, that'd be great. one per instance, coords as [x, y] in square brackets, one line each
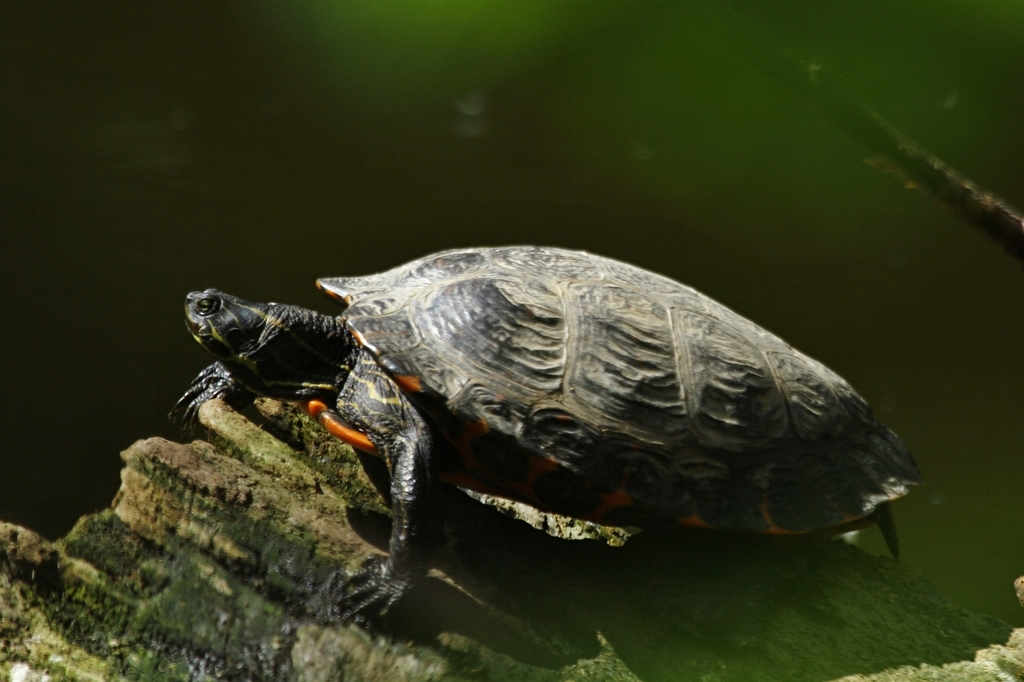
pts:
[223, 559]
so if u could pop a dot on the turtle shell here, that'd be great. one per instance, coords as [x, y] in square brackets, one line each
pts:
[601, 390]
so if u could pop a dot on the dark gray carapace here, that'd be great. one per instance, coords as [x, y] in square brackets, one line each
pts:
[634, 382]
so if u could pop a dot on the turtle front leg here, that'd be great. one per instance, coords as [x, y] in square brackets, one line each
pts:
[384, 580]
[372, 403]
[213, 382]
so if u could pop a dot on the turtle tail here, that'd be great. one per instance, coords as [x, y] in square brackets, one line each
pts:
[886, 524]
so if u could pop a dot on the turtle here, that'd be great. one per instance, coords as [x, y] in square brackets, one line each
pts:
[571, 382]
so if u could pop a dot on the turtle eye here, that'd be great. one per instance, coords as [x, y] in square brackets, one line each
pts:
[207, 305]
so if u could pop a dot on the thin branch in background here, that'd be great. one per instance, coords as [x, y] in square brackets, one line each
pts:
[914, 163]
[909, 161]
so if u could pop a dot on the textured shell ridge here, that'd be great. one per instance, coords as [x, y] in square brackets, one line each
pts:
[732, 389]
[622, 365]
[505, 331]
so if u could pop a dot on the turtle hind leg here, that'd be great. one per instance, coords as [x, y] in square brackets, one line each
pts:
[886, 524]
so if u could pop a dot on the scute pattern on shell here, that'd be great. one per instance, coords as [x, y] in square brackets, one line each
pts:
[633, 382]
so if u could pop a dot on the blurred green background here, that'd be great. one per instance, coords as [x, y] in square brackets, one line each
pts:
[150, 149]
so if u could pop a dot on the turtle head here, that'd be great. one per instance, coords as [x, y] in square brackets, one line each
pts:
[274, 350]
[224, 325]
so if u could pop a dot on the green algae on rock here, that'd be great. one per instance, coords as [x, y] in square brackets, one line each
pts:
[224, 559]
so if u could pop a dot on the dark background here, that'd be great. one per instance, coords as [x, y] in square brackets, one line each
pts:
[150, 149]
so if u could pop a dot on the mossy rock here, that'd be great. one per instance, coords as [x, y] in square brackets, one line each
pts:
[225, 560]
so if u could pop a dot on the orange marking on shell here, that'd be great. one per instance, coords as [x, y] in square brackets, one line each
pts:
[517, 492]
[470, 477]
[409, 383]
[465, 479]
[775, 530]
[478, 478]
[538, 466]
[327, 419]
[850, 523]
[358, 337]
[693, 522]
[610, 501]
[347, 300]
[866, 520]
[772, 529]
[470, 430]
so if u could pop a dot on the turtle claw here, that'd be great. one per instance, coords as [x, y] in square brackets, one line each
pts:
[370, 593]
[213, 382]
